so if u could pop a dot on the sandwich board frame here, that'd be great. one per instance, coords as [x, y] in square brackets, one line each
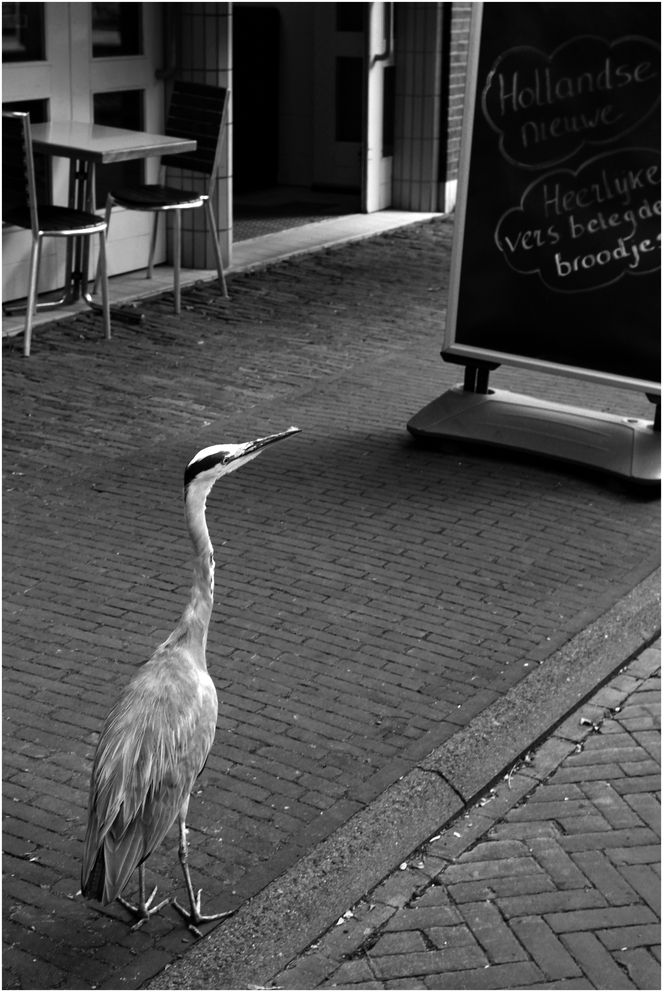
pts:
[534, 198]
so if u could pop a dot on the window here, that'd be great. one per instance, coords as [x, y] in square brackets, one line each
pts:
[350, 16]
[117, 29]
[23, 32]
[389, 111]
[349, 92]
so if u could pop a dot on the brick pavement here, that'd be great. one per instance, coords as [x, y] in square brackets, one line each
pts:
[372, 596]
[551, 881]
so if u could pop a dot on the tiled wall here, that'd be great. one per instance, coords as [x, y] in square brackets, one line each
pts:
[418, 95]
[431, 56]
[200, 52]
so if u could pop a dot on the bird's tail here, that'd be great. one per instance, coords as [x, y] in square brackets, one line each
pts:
[92, 887]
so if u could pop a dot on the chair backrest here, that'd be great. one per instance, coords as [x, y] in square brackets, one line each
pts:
[199, 112]
[19, 191]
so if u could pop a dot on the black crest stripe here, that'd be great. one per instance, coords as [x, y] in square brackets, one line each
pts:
[196, 467]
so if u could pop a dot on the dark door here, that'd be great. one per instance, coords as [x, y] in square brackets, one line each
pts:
[255, 86]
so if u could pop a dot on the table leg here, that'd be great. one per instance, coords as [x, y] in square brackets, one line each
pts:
[77, 259]
[84, 200]
[124, 313]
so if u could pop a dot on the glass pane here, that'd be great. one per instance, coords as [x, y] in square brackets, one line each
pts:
[23, 32]
[117, 29]
[349, 91]
[121, 108]
[38, 110]
[350, 16]
[389, 111]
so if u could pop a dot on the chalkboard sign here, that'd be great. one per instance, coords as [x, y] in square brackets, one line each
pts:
[557, 239]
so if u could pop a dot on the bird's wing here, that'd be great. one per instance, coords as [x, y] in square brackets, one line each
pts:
[151, 749]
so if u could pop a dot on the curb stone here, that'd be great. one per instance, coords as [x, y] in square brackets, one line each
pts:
[253, 946]
[337, 956]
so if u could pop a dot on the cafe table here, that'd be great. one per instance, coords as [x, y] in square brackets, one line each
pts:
[87, 145]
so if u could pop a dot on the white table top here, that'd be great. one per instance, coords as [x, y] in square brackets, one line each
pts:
[98, 143]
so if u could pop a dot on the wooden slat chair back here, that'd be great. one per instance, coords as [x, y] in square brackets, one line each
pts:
[20, 209]
[198, 112]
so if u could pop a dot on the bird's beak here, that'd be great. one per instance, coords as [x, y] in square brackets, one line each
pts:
[262, 442]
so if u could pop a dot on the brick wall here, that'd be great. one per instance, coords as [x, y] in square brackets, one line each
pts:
[431, 60]
[456, 31]
[419, 116]
[458, 45]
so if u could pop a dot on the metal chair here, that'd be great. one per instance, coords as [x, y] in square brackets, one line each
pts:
[198, 112]
[19, 207]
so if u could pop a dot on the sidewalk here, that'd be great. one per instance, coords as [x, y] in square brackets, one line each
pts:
[551, 881]
[253, 253]
[379, 606]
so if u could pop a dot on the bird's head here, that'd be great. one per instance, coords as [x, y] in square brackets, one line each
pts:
[218, 460]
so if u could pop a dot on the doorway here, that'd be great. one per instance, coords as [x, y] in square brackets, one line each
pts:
[276, 103]
[313, 113]
[339, 111]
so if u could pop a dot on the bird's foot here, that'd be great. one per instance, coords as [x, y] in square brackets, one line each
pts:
[144, 909]
[194, 917]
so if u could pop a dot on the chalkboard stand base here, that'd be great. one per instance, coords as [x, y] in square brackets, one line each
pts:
[622, 446]
[656, 400]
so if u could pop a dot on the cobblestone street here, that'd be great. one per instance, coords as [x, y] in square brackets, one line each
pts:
[551, 881]
[374, 597]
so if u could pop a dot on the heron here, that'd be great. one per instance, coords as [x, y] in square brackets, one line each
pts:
[157, 737]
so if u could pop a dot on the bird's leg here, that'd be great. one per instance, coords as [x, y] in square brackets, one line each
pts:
[194, 917]
[144, 909]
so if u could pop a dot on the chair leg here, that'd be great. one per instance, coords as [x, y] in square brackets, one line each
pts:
[32, 294]
[217, 246]
[102, 270]
[177, 257]
[109, 207]
[153, 245]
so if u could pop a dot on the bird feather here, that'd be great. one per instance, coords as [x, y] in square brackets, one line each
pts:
[151, 749]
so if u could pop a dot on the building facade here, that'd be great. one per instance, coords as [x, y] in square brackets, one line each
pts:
[363, 97]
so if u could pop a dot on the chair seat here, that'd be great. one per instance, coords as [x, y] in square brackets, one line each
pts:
[56, 220]
[197, 112]
[154, 197]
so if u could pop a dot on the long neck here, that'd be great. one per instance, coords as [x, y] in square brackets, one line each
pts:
[197, 613]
